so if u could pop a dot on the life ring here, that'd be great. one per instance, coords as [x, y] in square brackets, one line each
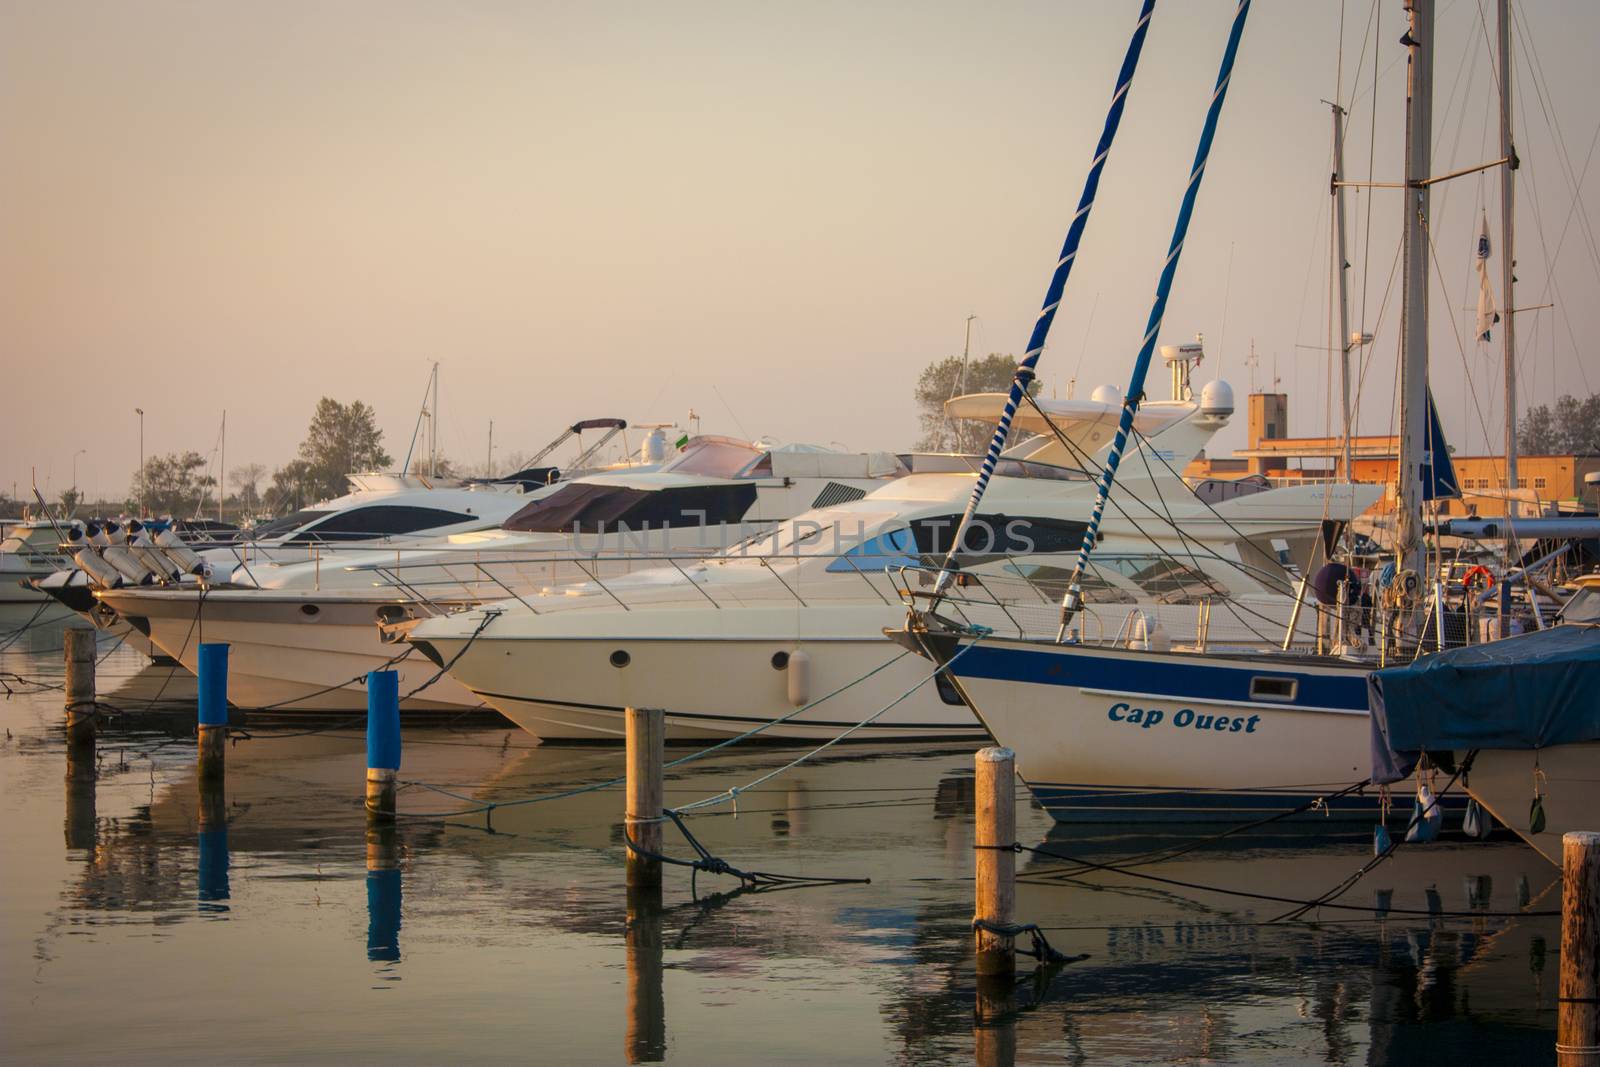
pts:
[1488, 577]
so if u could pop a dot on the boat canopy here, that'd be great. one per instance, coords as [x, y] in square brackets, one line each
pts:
[596, 507]
[1089, 424]
[1523, 693]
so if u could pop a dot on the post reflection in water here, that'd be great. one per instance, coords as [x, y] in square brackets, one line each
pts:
[80, 821]
[383, 893]
[646, 1034]
[214, 858]
[994, 1021]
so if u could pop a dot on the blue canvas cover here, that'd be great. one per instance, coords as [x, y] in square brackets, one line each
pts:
[1524, 692]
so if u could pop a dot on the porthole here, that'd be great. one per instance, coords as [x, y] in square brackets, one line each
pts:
[780, 661]
[311, 611]
[620, 659]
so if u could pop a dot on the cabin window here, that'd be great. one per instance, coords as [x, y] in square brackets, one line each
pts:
[380, 520]
[588, 507]
[714, 458]
[998, 535]
[286, 523]
[881, 553]
[1281, 690]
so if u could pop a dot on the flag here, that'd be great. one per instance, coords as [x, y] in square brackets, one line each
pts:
[680, 442]
[1487, 315]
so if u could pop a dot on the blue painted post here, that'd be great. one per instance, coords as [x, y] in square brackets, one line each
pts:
[213, 711]
[383, 741]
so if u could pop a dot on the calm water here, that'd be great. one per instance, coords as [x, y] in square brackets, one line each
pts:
[128, 931]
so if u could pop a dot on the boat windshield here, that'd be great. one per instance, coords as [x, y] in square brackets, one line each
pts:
[825, 532]
[1583, 607]
[714, 457]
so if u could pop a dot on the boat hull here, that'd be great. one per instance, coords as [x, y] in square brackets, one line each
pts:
[1567, 776]
[1121, 735]
[710, 685]
[282, 658]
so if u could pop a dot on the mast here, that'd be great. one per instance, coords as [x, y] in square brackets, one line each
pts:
[1025, 373]
[222, 465]
[488, 467]
[433, 428]
[1508, 329]
[1410, 552]
[1073, 601]
[1340, 267]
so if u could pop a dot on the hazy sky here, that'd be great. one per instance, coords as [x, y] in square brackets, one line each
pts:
[776, 214]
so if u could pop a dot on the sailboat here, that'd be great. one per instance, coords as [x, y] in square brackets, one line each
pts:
[1113, 733]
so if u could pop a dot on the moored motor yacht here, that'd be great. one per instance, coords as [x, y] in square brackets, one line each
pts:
[749, 637]
[304, 635]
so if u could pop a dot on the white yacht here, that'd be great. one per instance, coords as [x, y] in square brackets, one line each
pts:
[31, 549]
[748, 637]
[303, 634]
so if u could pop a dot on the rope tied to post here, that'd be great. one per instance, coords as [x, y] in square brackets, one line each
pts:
[712, 864]
[1041, 950]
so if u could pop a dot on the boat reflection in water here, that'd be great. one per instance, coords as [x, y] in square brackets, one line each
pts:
[520, 926]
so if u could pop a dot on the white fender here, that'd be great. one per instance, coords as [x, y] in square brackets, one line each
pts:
[146, 552]
[104, 574]
[799, 678]
[186, 559]
[123, 559]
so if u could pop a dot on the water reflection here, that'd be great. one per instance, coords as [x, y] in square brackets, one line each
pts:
[383, 892]
[214, 861]
[527, 919]
[645, 1036]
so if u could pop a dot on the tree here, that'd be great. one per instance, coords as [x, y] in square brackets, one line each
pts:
[288, 490]
[943, 379]
[245, 479]
[1573, 428]
[70, 499]
[442, 467]
[172, 483]
[342, 438]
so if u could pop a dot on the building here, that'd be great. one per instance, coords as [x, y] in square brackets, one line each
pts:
[1544, 483]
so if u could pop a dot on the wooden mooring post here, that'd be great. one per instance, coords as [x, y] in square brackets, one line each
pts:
[647, 734]
[1578, 1016]
[994, 832]
[383, 742]
[80, 690]
[213, 726]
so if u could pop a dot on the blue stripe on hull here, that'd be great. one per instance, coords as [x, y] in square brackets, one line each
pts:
[1087, 803]
[1212, 678]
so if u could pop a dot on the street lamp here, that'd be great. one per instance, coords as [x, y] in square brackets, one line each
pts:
[140, 412]
[75, 456]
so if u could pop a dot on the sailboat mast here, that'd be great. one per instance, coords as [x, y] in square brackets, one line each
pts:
[1508, 328]
[433, 428]
[1409, 549]
[222, 465]
[1340, 267]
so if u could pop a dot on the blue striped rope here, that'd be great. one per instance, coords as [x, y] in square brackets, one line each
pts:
[1073, 601]
[1052, 298]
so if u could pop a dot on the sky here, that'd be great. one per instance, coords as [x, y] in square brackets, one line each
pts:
[773, 214]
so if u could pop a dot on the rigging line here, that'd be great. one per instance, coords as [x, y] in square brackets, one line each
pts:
[1244, 568]
[1055, 292]
[1233, 606]
[1530, 50]
[1417, 815]
[680, 761]
[1361, 60]
[1073, 600]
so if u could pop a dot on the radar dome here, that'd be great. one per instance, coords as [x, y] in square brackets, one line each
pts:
[1216, 398]
[1107, 394]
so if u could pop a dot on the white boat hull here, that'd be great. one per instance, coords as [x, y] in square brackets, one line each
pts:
[331, 656]
[711, 685]
[1105, 734]
[1568, 777]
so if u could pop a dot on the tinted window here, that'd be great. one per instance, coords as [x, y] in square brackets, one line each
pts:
[590, 508]
[714, 458]
[990, 535]
[289, 522]
[379, 520]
